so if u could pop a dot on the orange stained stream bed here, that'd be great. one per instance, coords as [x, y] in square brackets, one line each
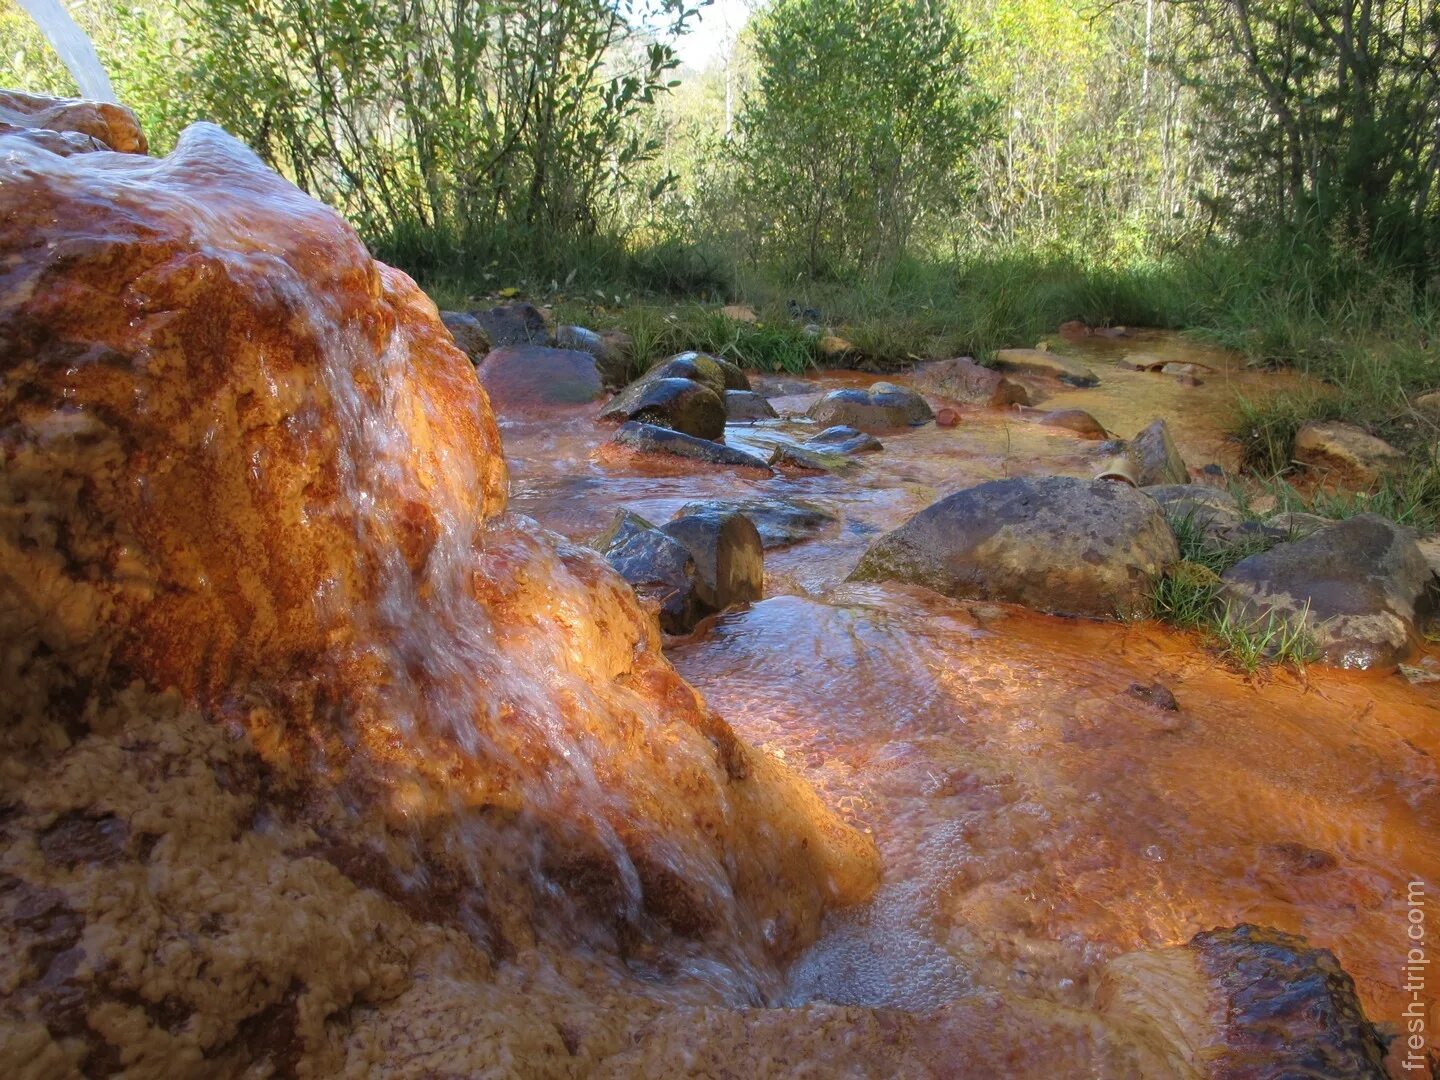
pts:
[1034, 817]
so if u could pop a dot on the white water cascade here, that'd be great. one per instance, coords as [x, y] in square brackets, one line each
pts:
[73, 46]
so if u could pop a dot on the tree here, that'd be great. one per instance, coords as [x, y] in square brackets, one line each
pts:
[860, 129]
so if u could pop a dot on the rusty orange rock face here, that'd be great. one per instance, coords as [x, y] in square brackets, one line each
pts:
[245, 461]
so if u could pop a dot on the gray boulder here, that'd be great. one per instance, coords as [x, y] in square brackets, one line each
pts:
[679, 404]
[1211, 510]
[882, 407]
[649, 439]
[790, 456]
[1362, 588]
[1052, 543]
[729, 557]
[746, 405]
[719, 375]
[780, 522]
[513, 324]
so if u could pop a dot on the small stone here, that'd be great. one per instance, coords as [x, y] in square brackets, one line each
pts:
[741, 313]
[625, 525]
[947, 418]
[1156, 457]
[514, 324]
[1345, 452]
[470, 337]
[844, 440]
[1077, 420]
[1157, 694]
[790, 456]
[780, 522]
[1428, 405]
[833, 347]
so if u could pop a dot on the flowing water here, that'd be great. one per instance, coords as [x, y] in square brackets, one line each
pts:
[1035, 817]
[73, 46]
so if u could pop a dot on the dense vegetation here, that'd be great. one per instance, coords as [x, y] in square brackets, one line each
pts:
[934, 176]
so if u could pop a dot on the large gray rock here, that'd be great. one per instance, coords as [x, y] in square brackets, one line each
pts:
[962, 379]
[649, 439]
[780, 522]
[743, 406]
[729, 557]
[1053, 543]
[679, 404]
[1157, 459]
[844, 440]
[882, 407]
[514, 324]
[1361, 588]
[517, 376]
[1051, 365]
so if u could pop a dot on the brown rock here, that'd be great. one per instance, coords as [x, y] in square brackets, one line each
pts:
[1046, 363]
[1345, 452]
[469, 336]
[962, 379]
[1157, 459]
[1076, 420]
[113, 127]
[947, 418]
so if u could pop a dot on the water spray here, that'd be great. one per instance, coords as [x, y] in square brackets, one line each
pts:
[73, 47]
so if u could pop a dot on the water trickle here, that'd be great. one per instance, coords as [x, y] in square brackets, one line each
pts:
[73, 46]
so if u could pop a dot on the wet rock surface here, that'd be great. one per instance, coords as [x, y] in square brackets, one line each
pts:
[1248, 1001]
[729, 557]
[1077, 420]
[780, 522]
[525, 376]
[841, 439]
[746, 405]
[1361, 588]
[1212, 511]
[878, 408]
[1049, 364]
[682, 405]
[469, 336]
[1051, 543]
[664, 573]
[650, 439]
[962, 379]
[513, 324]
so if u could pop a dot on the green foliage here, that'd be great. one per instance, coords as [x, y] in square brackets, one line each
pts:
[440, 127]
[1324, 116]
[1251, 644]
[858, 132]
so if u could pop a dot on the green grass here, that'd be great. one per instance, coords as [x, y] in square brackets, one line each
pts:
[1189, 598]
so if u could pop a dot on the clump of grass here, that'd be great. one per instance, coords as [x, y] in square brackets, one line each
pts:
[1274, 639]
[1186, 597]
